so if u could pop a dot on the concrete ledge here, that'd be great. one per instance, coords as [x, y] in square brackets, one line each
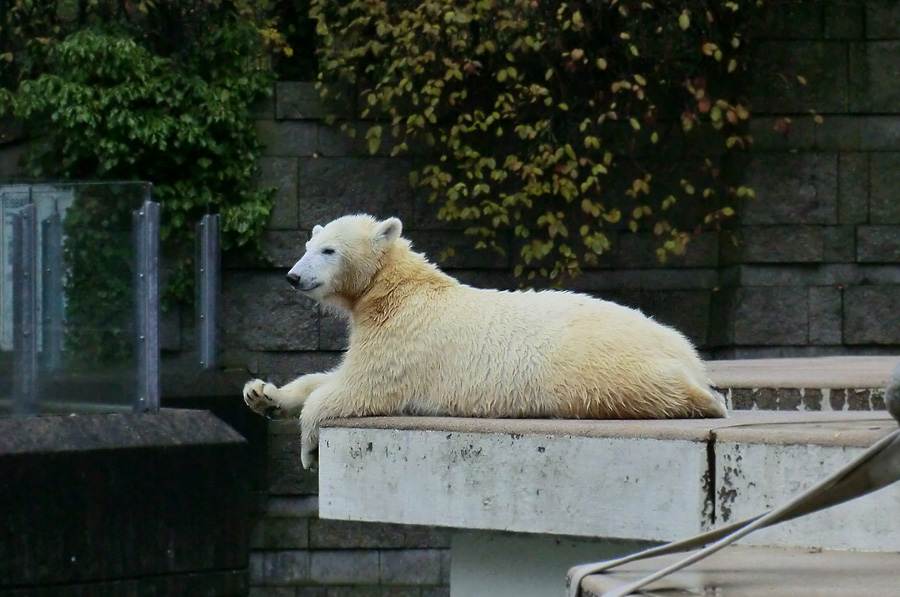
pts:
[773, 572]
[648, 480]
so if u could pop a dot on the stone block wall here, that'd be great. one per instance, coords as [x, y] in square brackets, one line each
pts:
[817, 270]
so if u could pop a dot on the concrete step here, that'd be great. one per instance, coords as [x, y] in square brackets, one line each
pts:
[763, 572]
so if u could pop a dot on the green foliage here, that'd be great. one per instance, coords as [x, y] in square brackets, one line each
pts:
[549, 124]
[107, 108]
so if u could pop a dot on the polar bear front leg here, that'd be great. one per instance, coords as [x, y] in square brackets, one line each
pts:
[329, 401]
[285, 402]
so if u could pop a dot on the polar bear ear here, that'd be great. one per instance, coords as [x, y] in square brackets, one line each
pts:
[317, 229]
[388, 231]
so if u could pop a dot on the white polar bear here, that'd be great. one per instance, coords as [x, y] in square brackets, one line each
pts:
[423, 343]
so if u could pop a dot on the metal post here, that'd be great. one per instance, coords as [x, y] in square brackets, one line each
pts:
[52, 311]
[24, 395]
[146, 301]
[207, 274]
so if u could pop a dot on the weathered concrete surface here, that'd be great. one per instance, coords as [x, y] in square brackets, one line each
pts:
[618, 479]
[770, 572]
[822, 372]
[557, 484]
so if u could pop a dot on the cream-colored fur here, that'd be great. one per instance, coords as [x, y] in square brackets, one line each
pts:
[422, 343]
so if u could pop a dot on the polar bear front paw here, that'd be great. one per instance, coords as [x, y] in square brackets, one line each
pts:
[258, 395]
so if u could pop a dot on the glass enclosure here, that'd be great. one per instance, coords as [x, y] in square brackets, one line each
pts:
[79, 298]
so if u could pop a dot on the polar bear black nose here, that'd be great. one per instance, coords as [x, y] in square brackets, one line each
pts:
[293, 279]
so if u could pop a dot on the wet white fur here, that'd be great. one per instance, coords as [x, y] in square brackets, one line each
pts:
[422, 343]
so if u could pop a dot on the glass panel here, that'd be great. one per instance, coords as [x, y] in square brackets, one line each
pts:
[68, 333]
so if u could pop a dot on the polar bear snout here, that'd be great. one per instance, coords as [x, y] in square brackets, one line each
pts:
[293, 279]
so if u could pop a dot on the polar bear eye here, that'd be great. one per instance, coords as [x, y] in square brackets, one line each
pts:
[328, 251]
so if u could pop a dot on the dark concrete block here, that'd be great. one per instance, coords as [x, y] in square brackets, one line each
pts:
[333, 330]
[825, 315]
[284, 247]
[281, 173]
[782, 244]
[826, 90]
[435, 243]
[802, 134]
[280, 533]
[874, 66]
[839, 244]
[884, 198]
[837, 133]
[790, 20]
[261, 311]
[791, 189]
[880, 133]
[878, 244]
[286, 474]
[334, 187]
[288, 138]
[853, 188]
[639, 251]
[882, 19]
[844, 20]
[282, 367]
[149, 501]
[771, 316]
[301, 101]
[338, 534]
[228, 583]
[685, 310]
[870, 315]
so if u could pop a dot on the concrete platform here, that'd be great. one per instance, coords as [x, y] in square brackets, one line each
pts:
[807, 373]
[770, 572]
[645, 480]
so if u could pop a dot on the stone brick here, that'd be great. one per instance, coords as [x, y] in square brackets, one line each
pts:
[874, 68]
[411, 567]
[685, 310]
[337, 534]
[880, 274]
[344, 567]
[284, 247]
[882, 19]
[281, 173]
[812, 399]
[791, 189]
[880, 133]
[257, 567]
[333, 331]
[825, 315]
[434, 243]
[288, 138]
[721, 317]
[782, 244]
[280, 533]
[286, 475]
[333, 187]
[771, 316]
[639, 250]
[373, 591]
[802, 134]
[287, 567]
[677, 279]
[274, 592]
[800, 275]
[827, 89]
[436, 591]
[878, 244]
[446, 560]
[836, 133]
[262, 312]
[853, 188]
[870, 315]
[839, 244]
[282, 367]
[301, 101]
[843, 20]
[334, 142]
[884, 198]
[790, 20]
[305, 506]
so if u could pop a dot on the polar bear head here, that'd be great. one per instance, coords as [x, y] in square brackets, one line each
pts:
[342, 257]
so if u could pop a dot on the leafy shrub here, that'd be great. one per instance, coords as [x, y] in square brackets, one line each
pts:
[547, 126]
[107, 108]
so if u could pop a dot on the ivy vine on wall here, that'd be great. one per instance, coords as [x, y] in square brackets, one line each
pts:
[545, 127]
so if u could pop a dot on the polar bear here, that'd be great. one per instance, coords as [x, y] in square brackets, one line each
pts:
[423, 343]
